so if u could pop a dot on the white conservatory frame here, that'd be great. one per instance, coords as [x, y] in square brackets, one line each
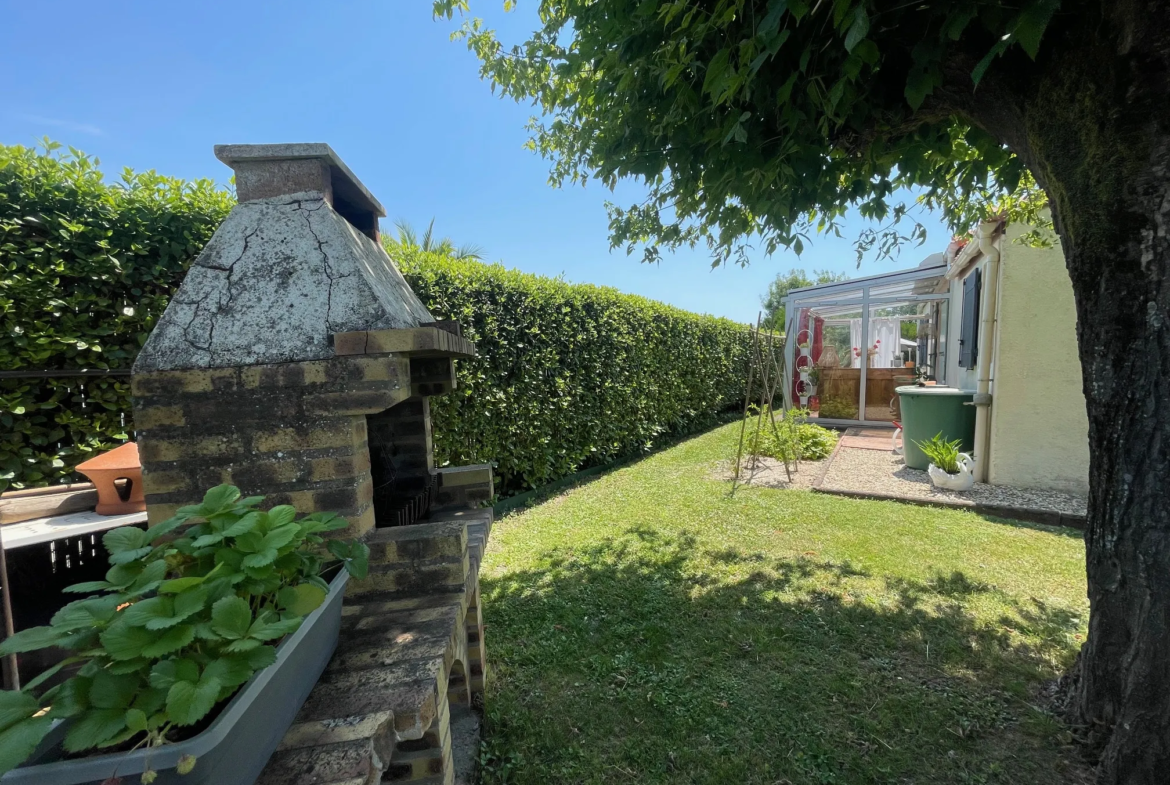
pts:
[905, 287]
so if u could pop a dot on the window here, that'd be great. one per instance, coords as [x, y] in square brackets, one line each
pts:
[969, 332]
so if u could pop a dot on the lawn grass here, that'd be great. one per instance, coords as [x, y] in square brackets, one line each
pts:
[645, 627]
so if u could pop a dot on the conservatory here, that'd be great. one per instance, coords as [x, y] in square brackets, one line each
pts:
[852, 343]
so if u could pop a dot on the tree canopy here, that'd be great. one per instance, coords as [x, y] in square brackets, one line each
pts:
[761, 122]
[764, 122]
[785, 282]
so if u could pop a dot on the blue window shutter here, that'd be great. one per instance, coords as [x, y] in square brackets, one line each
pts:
[969, 332]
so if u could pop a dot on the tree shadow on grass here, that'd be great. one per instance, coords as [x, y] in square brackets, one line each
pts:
[644, 658]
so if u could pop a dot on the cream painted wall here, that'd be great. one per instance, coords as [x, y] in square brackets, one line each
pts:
[1039, 429]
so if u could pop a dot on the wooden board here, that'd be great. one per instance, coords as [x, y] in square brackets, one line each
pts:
[25, 505]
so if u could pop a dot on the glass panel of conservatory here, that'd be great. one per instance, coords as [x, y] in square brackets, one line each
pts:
[892, 355]
[812, 298]
[827, 372]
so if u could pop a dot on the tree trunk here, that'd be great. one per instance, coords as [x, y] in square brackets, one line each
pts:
[1091, 118]
[1121, 689]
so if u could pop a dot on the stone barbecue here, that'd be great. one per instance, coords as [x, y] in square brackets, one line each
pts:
[296, 362]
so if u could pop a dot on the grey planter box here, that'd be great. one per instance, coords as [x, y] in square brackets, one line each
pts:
[235, 747]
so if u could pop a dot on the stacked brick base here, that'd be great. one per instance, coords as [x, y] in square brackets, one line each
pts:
[293, 432]
[411, 647]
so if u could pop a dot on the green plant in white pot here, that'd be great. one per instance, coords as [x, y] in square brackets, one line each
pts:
[949, 468]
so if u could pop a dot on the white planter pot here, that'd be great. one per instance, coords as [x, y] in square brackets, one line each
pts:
[803, 401]
[954, 482]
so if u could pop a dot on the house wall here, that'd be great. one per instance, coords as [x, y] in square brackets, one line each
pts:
[1039, 428]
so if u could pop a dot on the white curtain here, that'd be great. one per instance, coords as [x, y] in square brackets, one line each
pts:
[888, 332]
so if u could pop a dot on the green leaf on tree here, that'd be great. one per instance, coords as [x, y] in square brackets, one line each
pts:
[857, 30]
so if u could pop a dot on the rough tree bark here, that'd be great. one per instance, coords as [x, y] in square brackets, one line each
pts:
[1091, 119]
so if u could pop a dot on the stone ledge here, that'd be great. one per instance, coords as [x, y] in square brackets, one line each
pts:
[412, 341]
[417, 542]
[479, 528]
[233, 154]
[474, 474]
[413, 579]
[370, 604]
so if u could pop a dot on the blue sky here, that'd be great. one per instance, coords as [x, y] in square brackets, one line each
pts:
[154, 85]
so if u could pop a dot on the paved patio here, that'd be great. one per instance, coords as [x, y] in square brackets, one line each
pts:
[864, 466]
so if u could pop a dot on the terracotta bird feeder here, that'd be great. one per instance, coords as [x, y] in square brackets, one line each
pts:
[117, 476]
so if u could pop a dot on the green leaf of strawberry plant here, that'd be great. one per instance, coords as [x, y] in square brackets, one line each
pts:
[231, 617]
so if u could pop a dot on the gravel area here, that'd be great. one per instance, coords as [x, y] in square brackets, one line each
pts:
[769, 473]
[883, 472]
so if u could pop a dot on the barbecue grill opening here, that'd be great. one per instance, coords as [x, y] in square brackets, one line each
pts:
[401, 463]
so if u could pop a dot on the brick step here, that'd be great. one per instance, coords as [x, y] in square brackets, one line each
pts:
[381, 710]
[368, 604]
[409, 690]
[352, 762]
[384, 640]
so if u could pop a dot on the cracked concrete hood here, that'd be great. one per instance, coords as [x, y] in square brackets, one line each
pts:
[297, 260]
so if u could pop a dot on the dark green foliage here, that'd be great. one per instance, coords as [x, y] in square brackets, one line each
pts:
[841, 408]
[189, 610]
[799, 441]
[86, 268]
[774, 311]
[569, 376]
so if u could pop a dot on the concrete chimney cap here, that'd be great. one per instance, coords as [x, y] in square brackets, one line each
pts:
[345, 183]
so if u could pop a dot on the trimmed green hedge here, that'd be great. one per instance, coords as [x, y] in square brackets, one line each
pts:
[569, 375]
[86, 268]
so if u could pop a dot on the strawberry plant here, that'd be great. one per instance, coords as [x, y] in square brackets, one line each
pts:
[189, 609]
